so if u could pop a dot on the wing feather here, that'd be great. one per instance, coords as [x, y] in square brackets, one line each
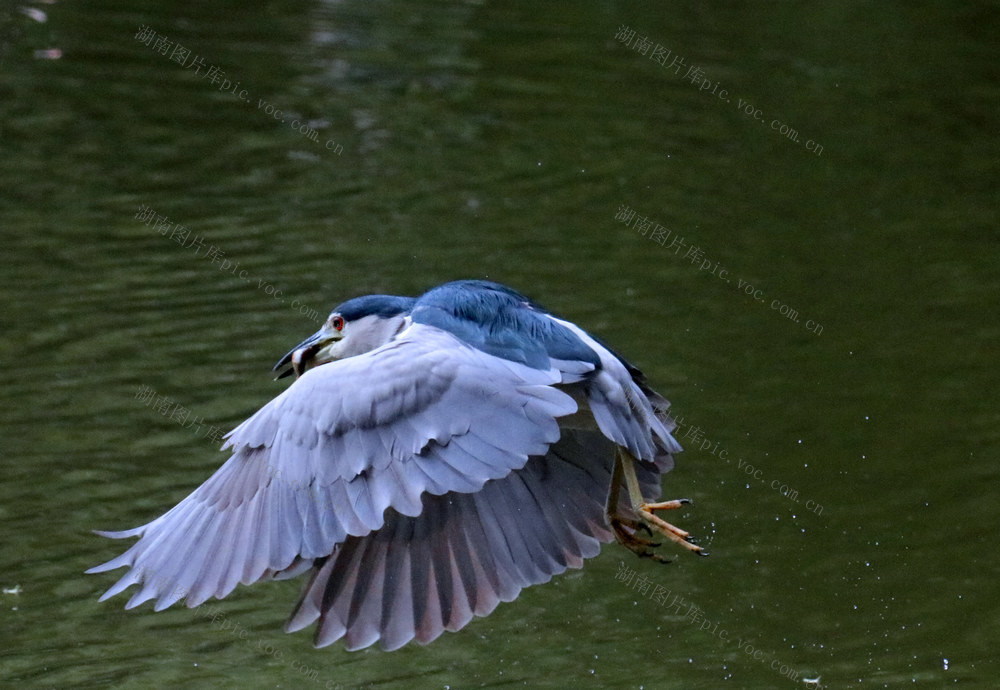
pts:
[397, 598]
[342, 445]
[631, 417]
[465, 553]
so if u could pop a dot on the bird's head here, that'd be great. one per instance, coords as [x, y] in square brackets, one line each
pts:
[353, 328]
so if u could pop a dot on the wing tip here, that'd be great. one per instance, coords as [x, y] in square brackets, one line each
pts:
[120, 534]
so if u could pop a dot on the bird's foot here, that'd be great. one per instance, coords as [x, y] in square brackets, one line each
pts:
[625, 528]
[625, 532]
[654, 523]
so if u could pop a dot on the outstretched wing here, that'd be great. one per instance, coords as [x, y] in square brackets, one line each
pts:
[624, 408]
[423, 414]
[465, 553]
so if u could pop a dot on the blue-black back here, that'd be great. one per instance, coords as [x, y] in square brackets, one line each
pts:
[500, 321]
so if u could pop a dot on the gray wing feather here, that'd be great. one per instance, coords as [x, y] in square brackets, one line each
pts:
[623, 411]
[417, 577]
[326, 459]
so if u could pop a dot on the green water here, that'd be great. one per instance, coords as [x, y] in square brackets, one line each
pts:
[827, 330]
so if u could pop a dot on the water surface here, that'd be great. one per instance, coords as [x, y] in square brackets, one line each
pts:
[820, 306]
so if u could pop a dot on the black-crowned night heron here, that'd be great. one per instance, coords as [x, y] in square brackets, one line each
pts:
[433, 457]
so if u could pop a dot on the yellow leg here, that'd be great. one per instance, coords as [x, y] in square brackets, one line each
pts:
[625, 529]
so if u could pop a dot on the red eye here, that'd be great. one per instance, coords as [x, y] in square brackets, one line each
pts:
[337, 322]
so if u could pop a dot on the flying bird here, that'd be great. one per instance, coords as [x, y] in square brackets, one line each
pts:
[433, 457]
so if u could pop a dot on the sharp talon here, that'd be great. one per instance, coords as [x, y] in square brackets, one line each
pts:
[626, 529]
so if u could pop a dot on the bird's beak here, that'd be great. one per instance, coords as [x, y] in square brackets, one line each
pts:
[300, 355]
